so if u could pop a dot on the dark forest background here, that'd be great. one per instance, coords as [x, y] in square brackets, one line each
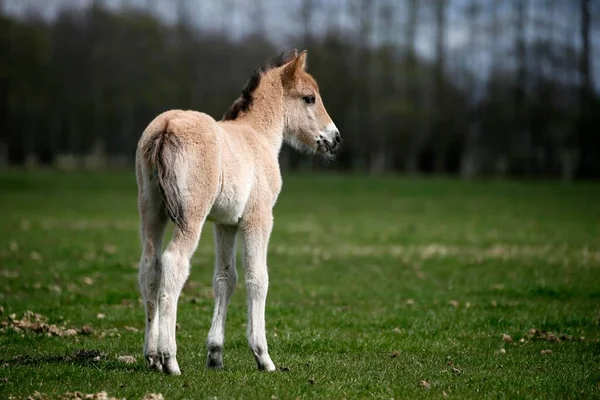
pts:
[514, 97]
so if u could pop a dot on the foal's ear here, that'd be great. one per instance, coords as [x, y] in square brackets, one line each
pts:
[301, 60]
[294, 66]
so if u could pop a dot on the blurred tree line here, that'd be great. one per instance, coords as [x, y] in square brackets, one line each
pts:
[514, 97]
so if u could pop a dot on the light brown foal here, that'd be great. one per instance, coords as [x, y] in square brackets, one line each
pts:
[191, 168]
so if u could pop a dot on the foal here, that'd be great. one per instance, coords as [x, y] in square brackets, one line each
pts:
[191, 168]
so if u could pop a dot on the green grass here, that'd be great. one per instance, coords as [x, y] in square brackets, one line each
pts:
[433, 272]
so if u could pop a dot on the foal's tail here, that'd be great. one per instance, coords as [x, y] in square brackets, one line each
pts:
[160, 153]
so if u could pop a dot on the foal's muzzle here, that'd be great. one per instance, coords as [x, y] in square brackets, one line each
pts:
[329, 140]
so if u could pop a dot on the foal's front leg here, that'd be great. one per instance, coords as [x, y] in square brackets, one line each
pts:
[256, 231]
[224, 281]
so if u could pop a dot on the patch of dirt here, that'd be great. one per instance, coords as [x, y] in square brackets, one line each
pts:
[81, 355]
[536, 334]
[73, 396]
[35, 323]
[89, 355]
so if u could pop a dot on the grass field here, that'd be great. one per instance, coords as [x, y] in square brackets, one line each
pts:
[380, 288]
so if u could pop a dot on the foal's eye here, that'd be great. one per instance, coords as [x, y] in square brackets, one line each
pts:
[309, 99]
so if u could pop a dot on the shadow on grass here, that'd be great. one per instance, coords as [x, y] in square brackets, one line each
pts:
[82, 357]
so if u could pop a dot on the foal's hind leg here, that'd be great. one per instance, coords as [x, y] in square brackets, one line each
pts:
[175, 263]
[153, 221]
[224, 281]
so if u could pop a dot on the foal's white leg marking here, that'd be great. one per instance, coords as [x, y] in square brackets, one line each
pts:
[224, 281]
[174, 272]
[256, 238]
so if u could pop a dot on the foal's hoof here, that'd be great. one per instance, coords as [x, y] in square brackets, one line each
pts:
[265, 364]
[214, 361]
[170, 367]
[154, 363]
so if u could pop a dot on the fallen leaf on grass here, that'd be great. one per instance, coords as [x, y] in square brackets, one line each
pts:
[395, 354]
[113, 332]
[425, 385]
[153, 396]
[507, 338]
[100, 316]
[501, 351]
[545, 352]
[87, 280]
[35, 256]
[454, 303]
[131, 329]
[127, 359]
[86, 330]
[410, 302]
[444, 394]
[38, 396]
[92, 396]
[456, 371]
[55, 288]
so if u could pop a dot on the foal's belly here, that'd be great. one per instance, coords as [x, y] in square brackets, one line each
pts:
[230, 204]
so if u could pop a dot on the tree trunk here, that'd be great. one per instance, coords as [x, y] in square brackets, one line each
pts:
[522, 144]
[585, 138]
[437, 129]
[417, 140]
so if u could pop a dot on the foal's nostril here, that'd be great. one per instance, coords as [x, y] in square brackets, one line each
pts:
[337, 137]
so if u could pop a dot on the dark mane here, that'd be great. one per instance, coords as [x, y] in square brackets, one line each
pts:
[244, 102]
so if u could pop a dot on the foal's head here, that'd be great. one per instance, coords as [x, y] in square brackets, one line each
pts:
[307, 125]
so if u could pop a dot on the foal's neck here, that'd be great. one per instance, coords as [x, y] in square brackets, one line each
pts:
[265, 115]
